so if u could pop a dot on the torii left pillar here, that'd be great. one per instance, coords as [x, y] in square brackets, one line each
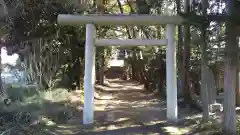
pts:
[89, 74]
[172, 108]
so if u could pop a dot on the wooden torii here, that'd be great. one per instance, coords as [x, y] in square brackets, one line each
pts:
[92, 42]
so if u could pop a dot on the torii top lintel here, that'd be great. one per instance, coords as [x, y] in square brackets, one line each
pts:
[68, 19]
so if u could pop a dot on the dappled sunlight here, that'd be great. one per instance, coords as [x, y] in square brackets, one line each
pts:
[56, 95]
[137, 109]
[175, 131]
[112, 127]
[155, 122]
[113, 85]
[118, 88]
[119, 85]
[124, 123]
[66, 129]
[48, 122]
[134, 87]
[77, 96]
[129, 107]
[195, 116]
[128, 111]
[66, 126]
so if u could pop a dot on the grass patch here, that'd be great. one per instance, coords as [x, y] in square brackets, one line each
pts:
[42, 107]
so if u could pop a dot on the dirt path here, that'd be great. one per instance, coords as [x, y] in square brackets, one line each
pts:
[127, 100]
[124, 108]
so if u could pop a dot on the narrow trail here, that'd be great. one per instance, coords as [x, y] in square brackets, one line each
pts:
[125, 99]
[125, 108]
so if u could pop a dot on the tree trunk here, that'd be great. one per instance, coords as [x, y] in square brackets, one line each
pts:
[229, 97]
[101, 68]
[231, 64]
[204, 68]
[1, 68]
[100, 9]
[237, 81]
[180, 51]
[237, 88]
[186, 58]
[133, 65]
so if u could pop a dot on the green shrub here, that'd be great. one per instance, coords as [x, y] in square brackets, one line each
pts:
[15, 93]
[19, 93]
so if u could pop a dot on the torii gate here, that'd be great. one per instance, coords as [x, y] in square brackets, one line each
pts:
[91, 42]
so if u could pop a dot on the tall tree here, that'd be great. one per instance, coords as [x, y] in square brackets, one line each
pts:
[100, 9]
[231, 64]
[204, 65]
[186, 56]
[180, 48]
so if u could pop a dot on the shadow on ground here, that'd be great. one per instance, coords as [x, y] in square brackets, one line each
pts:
[55, 122]
[131, 110]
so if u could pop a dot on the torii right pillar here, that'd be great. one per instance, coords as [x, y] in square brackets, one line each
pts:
[172, 108]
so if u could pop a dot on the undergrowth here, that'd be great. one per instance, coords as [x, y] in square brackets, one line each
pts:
[212, 128]
[34, 112]
[30, 107]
